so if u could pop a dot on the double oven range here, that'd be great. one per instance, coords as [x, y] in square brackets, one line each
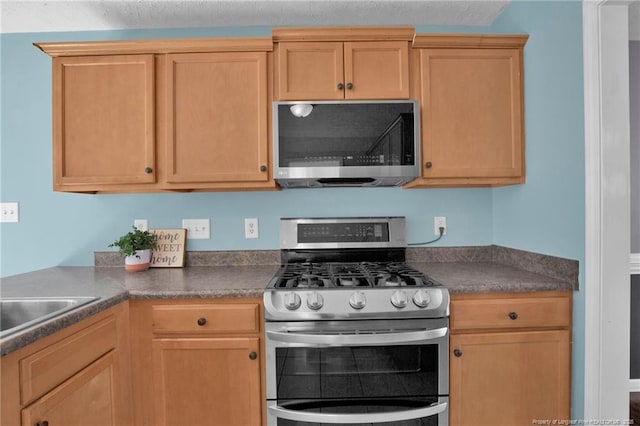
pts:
[354, 335]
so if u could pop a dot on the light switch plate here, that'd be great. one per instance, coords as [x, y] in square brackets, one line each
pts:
[8, 212]
[197, 229]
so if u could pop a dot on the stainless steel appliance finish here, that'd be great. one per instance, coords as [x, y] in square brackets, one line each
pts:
[354, 335]
[365, 366]
[346, 143]
[289, 228]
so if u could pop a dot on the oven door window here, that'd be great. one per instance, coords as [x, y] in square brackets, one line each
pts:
[362, 372]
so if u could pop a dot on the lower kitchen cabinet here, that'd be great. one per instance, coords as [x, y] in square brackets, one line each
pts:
[198, 362]
[77, 376]
[84, 399]
[510, 358]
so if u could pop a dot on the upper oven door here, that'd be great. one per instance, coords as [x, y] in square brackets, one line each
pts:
[368, 359]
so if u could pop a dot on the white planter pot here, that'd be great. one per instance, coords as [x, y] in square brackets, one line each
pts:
[139, 261]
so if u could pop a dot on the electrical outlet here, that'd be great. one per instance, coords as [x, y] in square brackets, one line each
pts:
[197, 229]
[141, 224]
[251, 228]
[8, 212]
[439, 222]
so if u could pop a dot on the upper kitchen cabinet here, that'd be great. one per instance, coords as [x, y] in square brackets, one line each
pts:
[342, 63]
[156, 115]
[216, 118]
[103, 121]
[472, 120]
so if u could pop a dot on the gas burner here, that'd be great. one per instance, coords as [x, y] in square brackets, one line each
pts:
[303, 275]
[389, 280]
[351, 281]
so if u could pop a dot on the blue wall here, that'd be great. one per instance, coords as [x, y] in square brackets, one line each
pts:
[545, 215]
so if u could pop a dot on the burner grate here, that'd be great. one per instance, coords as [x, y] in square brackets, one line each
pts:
[345, 274]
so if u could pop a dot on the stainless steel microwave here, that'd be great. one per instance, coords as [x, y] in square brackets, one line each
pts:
[346, 143]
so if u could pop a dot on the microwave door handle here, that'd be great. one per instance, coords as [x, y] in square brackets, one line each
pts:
[393, 416]
[357, 339]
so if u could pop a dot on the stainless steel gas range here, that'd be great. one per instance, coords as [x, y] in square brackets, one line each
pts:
[354, 335]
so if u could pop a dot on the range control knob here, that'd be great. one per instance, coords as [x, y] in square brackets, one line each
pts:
[292, 301]
[315, 301]
[358, 300]
[399, 299]
[421, 299]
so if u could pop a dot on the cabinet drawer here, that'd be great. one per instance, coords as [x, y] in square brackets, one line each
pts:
[510, 312]
[46, 369]
[206, 319]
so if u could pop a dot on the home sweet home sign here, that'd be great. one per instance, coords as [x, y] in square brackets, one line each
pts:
[171, 248]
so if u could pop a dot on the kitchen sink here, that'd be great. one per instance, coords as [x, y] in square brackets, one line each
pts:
[16, 314]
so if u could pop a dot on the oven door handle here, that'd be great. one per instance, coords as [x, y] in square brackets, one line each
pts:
[357, 339]
[393, 416]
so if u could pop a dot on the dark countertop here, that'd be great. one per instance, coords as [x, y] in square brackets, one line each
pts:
[461, 277]
[114, 285]
[461, 270]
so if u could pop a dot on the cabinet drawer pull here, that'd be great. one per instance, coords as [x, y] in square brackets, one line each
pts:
[43, 423]
[457, 352]
[263, 168]
[340, 86]
[253, 355]
[428, 165]
[202, 321]
[513, 315]
[148, 170]
[349, 86]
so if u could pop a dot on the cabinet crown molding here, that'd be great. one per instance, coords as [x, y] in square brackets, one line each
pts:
[461, 41]
[344, 34]
[157, 46]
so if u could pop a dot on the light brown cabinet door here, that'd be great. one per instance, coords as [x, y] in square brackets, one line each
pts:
[313, 71]
[337, 70]
[216, 118]
[509, 378]
[103, 121]
[376, 70]
[205, 381]
[87, 398]
[472, 114]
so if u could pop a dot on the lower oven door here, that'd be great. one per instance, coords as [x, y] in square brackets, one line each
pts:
[374, 372]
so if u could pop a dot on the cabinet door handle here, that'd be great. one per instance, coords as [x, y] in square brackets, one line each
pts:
[340, 86]
[43, 423]
[202, 321]
[349, 86]
[513, 315]
[253, 355]
[457, 352]
[148, 170]
[263, 168]
[428, 165]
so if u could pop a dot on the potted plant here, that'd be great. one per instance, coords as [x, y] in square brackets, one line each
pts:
[136, 248]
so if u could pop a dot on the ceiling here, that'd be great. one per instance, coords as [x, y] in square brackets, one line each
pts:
[18, 16]
[64, 15]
